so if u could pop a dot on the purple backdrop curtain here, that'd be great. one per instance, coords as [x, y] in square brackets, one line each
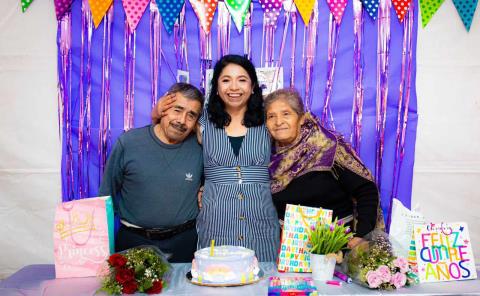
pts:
[341, 101]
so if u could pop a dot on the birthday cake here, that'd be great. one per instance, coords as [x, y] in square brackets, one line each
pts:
[227, 265]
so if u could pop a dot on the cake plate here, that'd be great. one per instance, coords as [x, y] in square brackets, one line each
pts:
[256, 280]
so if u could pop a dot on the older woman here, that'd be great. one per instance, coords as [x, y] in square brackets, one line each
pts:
[314, 167]
[237, 207]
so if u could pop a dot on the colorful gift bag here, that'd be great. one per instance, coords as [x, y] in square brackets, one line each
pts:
[294, 255]
[83, 236]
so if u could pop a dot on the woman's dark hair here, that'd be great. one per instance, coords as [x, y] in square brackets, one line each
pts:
[254, 116]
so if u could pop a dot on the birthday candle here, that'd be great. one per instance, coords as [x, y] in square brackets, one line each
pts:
[212, 244]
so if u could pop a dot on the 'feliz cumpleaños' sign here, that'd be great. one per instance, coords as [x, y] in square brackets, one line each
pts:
[444, 252]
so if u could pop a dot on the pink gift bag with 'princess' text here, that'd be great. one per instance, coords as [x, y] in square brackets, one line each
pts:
[83, 236]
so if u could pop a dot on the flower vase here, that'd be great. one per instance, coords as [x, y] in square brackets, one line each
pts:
[322, 266]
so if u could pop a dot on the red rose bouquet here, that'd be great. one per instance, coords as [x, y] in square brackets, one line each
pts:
[144, 269]
[373, 264]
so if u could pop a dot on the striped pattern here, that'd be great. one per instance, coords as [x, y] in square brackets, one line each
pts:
[237, 203]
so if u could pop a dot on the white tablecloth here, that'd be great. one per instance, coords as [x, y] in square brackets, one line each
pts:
[40, 280]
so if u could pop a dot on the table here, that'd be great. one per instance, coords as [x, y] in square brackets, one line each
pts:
[38, 280]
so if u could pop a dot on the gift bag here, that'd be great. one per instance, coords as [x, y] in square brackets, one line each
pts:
[83, 236]
[401, 229]
[294, 255]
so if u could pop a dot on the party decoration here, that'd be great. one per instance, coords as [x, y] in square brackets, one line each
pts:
[205, 10]
[305, 7]
[466, 10]
[290, 17]
[155, 47]
[401, 8]
[64, 64]
[357, 109]
[99, 8]
[271, 10]
[104, 134]
[444, 252]
[180, 47]
[333, 31]
[309, 50]
[223, 36]
[247, 34]
[170, 9]
[134, 11]
[371, 7]
[61, 7]
[85, 96]
[403, 105]
[337, 8]
[25, 4]
[238, 10]
[383, 58]
[428, 8]
[129, 79]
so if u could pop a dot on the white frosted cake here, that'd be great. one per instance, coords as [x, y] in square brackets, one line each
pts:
[228, 265]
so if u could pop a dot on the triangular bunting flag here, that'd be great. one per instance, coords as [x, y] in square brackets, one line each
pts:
[337, 7]
[99, 8]
[466, 10]
[205, 10]
[169, 10]
[134, 11]
[428, 9]
[61, 7]
[401, 8]
[238, 10]
[305, 7]
[25, 4]
[271, 10]
[371, 6]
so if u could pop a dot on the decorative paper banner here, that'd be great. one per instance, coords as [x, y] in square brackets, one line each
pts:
[466, 10]
[205, 10]
[337, 7]
[401, 8]
[371, 6]
[305, 7]
[134, 11]
[271, 9]
[61, 7]
[169, 10]
[428, 8]
[99, 8]
[444, 252]
[25, 4]
[238, 10]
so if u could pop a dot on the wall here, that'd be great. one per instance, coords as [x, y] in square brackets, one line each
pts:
[447, 167]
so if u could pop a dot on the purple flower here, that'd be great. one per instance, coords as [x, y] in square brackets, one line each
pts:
[340, 222]
[374, 279]
[312, 227]
[348, 230]
[401, 263]
[332, 227]
[384, 273]
[398, 280]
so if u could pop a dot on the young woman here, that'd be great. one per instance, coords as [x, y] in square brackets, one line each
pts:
[237, 207]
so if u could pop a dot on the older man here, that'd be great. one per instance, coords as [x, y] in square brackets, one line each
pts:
[153, 174]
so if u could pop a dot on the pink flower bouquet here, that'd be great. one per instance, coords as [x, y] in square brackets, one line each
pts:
[374, 265]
